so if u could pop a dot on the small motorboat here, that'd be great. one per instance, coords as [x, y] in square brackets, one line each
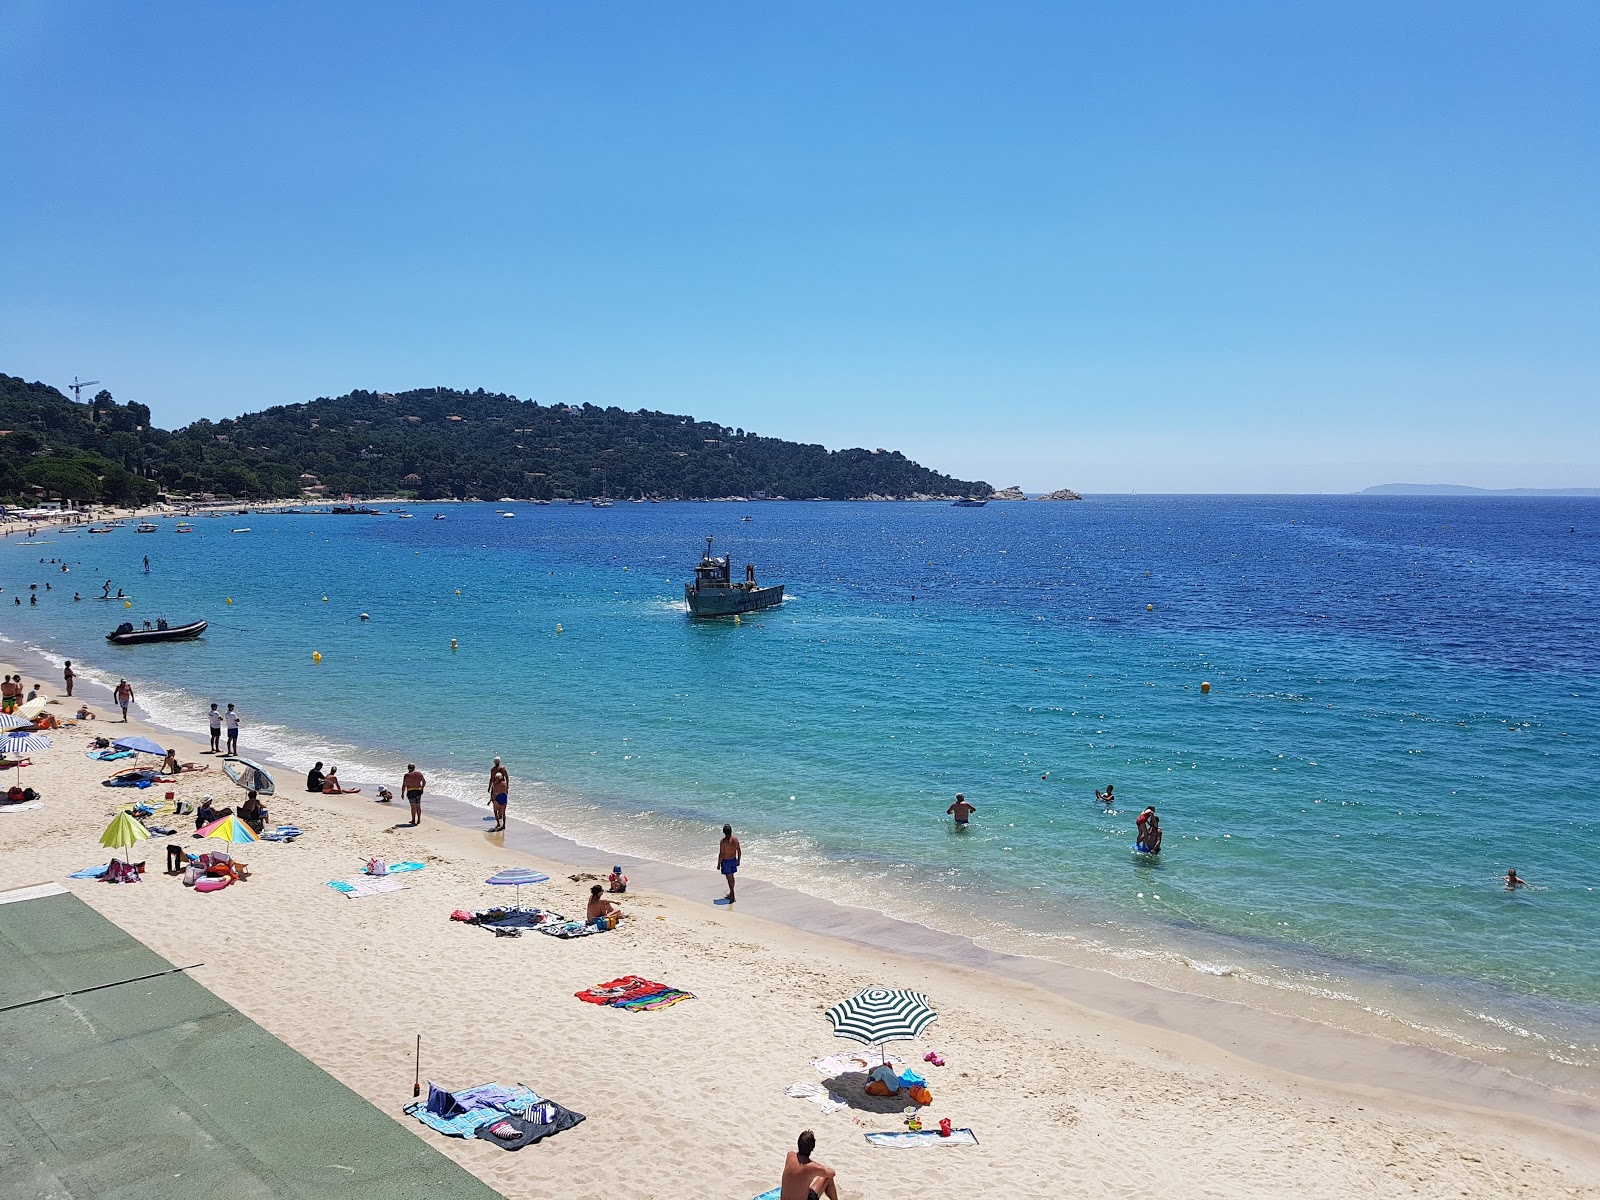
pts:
[126, 635]
[147, 527]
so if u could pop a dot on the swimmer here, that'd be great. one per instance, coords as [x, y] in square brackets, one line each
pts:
[1106, 797]
[1514, 881]
[961, 811]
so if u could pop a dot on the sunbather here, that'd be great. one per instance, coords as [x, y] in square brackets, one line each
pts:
[332, 787]
[602, 912]
[170, 765]
[804, 1178]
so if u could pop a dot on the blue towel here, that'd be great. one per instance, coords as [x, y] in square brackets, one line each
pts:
[399, 868]
[90, 872]
[772, 1195]
[463, 1124]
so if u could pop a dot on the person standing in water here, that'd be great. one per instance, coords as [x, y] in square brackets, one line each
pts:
[729, 853]
[1514, 881]
[961, 811]
[1106, 797]
[147, 564]
[499, 791]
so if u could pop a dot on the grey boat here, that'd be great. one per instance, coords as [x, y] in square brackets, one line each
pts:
[714, 594]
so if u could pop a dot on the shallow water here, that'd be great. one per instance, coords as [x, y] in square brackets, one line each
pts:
[1401, 708]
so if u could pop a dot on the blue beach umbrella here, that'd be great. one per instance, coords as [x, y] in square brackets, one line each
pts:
[142, 744]
[516, 877]
[20, 742]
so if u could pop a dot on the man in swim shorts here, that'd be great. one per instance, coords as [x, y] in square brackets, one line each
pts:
[728, 855]
[413, 785]
[804, 1178]
[961, 811]
[499, 789]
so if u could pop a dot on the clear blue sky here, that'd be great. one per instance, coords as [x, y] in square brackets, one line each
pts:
[1160, 247]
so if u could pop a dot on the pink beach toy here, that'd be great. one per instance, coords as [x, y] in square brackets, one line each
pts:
[933, 1057]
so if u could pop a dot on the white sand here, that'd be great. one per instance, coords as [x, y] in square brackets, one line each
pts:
[689, 1101]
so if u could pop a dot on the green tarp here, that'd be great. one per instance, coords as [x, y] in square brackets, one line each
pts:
[157, 1090]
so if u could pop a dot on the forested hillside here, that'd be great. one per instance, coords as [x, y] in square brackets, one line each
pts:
[433, 443]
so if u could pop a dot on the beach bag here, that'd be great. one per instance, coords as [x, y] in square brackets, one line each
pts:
[376, 866]
[921, 1095]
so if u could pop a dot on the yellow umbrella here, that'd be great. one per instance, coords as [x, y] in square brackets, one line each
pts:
[124, 832]
[31, 709]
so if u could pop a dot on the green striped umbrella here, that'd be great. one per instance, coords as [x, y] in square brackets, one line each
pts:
[874, 1016]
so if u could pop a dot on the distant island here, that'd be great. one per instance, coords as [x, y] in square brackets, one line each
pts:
[427, 444]
[1461, 489]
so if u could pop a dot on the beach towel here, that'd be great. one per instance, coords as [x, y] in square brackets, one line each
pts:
[817, 1094]
[907, 1140]
[29, 806]
[858, 1062]
[537, 1122]
[398, 868]
[89, 872]
[108, 755]
[460, 1113]
[283, 833]
[356, 888]
[633, 993]
[774, 1194]
[544, 921]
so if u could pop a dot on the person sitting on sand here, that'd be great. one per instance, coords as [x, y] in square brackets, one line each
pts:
[332, 787]
[84, 714]
[170, 764]
[1514, 881]
[616, 881]
[314, 778]
[384, 796]
[601, 912]
[804, 1178]
[253, 813]
[207, 813]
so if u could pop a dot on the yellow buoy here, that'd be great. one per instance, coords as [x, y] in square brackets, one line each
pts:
[316, 656]
[1205, 686]
[736, 619]
[127, 604]
[1149, 608]
[458, 591]
[230, 600]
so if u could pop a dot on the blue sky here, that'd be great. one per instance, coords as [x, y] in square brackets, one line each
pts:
[1179, 247]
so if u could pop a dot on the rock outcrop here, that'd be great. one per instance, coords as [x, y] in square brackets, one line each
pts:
[1010, 493]
[1063, 494]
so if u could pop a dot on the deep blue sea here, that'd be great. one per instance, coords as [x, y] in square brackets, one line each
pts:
[1402, 705]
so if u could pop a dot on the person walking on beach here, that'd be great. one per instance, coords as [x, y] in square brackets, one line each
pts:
[231, 718]
[961, 811]
[728, 855]
[215, 718]
[413, 785]
[68, 675]
[124, 697]
[804, 1178]
[499, 792]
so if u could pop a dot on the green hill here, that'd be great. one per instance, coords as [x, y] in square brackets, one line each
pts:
[433, 443]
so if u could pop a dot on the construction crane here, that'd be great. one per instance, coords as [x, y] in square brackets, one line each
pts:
[77, 387]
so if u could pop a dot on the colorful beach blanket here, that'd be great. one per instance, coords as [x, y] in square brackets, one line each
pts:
[399, 868]
[356, 888]
[283, 833]
[634, 993]
[907, 1140]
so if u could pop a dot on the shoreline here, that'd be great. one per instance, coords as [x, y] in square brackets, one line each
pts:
[1269, 1040]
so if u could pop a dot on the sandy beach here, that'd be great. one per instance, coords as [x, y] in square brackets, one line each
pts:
[1065, 1097]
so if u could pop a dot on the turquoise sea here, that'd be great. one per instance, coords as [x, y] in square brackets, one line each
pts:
[1402, 706]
